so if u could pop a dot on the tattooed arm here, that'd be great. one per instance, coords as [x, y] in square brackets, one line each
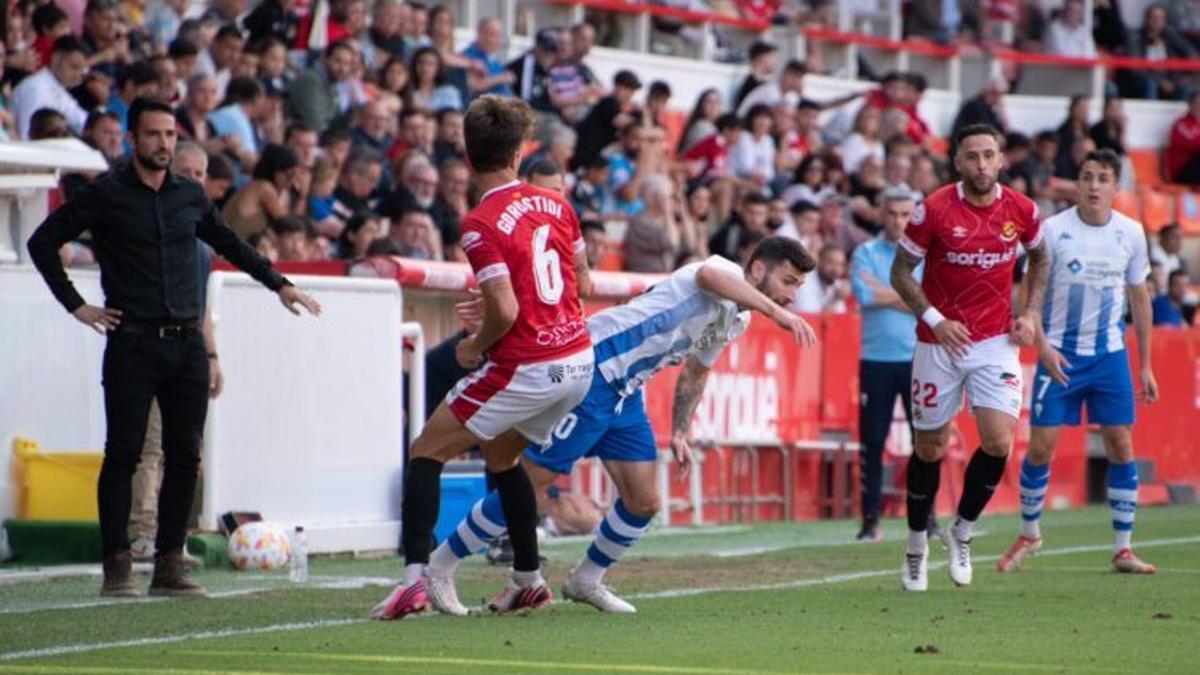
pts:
[688, 390]
[1023, 332]
[952, 335]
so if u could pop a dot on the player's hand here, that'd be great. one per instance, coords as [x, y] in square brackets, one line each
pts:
[954, 336]
[470, 312]
[291, 296]
[1149, 392]
[100, 319]
[1055, 364]
[1023, 331]
[681, 450]
[796, 325]
[216, 379]
[467, 354]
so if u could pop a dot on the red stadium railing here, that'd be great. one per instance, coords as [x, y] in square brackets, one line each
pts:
[685, 15]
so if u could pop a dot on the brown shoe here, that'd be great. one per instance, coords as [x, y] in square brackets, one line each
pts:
[171, 577]
[118, 577]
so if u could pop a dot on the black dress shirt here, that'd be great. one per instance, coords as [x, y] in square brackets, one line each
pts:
[145, 243]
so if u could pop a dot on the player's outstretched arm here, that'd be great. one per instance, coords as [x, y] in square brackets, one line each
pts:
[500, 311]
[1143, 322]
[688, 390]
[734, 288]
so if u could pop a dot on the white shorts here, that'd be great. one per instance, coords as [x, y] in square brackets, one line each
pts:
[531, 398]
[991, 373]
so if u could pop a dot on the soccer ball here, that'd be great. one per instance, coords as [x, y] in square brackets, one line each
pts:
[259, 546]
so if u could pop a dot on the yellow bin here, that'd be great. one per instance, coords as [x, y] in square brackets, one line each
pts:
[57, 485]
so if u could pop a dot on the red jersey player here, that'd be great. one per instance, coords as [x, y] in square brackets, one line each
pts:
[533, 355]
[969, 235]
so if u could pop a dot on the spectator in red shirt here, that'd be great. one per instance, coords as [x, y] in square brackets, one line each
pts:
[50, 23]
[758, 10]
[1183, 146]
[709, 164]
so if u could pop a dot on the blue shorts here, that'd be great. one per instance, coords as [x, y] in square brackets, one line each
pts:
[601, 426]
[1102, 381]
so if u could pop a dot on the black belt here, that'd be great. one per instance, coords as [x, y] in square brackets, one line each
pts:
[165, 331]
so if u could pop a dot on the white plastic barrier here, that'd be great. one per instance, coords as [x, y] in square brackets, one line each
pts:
[309, 428]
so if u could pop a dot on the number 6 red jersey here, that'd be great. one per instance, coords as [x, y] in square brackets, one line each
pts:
[530, 235]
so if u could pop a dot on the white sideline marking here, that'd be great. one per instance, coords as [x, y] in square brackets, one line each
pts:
[670, 593]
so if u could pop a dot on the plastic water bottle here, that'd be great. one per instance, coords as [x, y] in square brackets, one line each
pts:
[298, 565]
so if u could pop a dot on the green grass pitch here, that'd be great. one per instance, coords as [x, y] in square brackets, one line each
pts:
[745, 599]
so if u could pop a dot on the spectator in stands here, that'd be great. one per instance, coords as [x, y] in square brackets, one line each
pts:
[431, 88]
[827, 290]
[236, 121]
[450, 143]
[105, 38]
[293, 239]
[701, 123]
[700, 208]
[943, 21]
[804, 226]
[627, 166]
[48, 87]
[170, 87]
[658, 100]
[1165, 253]
[273, 19]
[1185, 17]
[1042, 164]
[590, 197]
[358, 180]
[751, 217]
[314, 97]
[548, 175]
[595, 240]
[583, 38]
[753, 158]
[1109, 132]
[1018, 151]
[103, 132]
[806, 137]
[569, 95]
[268, 196]
[985, 108]
[360, 232]
[1108, 26]
[811, 182]
[1170, 308]
[384, 41]
[864, 143]
[335, 144]
[49, 23]
[218, 179]
[1183, 146]
[191, 118]
[454, 65]
[416, 26]
[323, 182]
[1069, 170]
[1074, 127]
[764, 61]
[558, 146]
[836, 230]
[416, 236]
[610, 116]
[1068, 34]
[302, 140]
[137, 81]
[531, 70]
[1156, 41]
[418, 191]
[787, 90]
[888, 340]
[708, 163]
[926, 175]
[652, 240]
[492, 77]
[163, 19]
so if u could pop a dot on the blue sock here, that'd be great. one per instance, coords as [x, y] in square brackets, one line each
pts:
[1122, 502]
[1034, 480]
[617, 533]
[482, 525]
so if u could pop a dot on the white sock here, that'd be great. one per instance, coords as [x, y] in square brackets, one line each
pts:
[1031, 529]
[918, 542]
[587, 572]
[527, 579]
[962, 529]
[1122, 539]
[413, 573]
[443, 561]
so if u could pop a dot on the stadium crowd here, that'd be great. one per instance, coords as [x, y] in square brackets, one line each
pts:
[356, 149]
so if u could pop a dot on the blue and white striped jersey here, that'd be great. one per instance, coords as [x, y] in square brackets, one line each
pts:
[663, 326]
[1090, 266]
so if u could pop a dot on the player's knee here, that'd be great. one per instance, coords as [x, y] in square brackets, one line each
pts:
[1118, 444]
[997, 446]
[1039, 453]
[643, 505]
[930, 449]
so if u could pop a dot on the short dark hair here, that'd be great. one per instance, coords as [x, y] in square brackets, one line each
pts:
[495, 128]
[658, 88]
[795, 66]
[182, 48]
[334, 135]
[275, 159]
[803, 206]
[754, 198]
[98, 114]
[597, 162]
[761, 48]
[757, 110]
[728, 121]
[144, 105]
[344, 43]
[1174, 274]
[1169, 228]
[68, 44]
[229, 30]
[297, 127]
[41, 119]
[139, 73]
[1105, 157]
[808, 104]
[219, 168]
[591, 223]
[776, 249]
[1046, 136]
[47, 16]
[291, 225]
[1015, 140]
[917, 81]
[545, 167]
[243, 90]
[978, 130]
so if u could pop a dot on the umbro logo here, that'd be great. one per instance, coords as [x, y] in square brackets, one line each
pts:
[959, 231]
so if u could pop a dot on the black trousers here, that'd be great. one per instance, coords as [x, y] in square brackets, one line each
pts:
[137, 369]
[879, 384]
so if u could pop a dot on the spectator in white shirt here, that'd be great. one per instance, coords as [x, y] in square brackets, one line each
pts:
[1068, 35]
[1164, 254]
[788, 89]
[827, 290]
[48, 88]
[864, 143]
[754, 155]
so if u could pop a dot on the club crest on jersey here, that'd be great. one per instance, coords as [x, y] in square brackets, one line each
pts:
[470, 240]
[1008, 231]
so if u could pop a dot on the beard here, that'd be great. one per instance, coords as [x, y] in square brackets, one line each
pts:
[973, 185]
[156, 161]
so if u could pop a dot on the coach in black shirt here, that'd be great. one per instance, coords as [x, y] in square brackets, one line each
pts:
[145, 222]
